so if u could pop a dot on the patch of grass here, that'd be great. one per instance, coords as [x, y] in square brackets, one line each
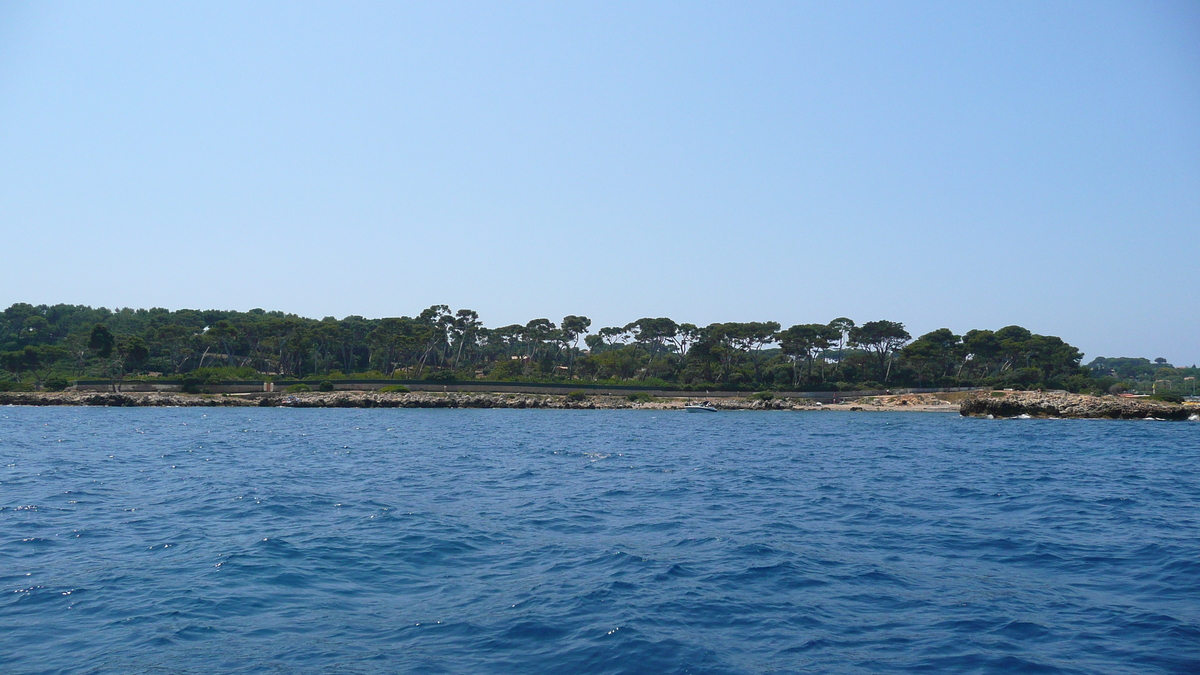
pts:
[298, 388]
[396, 389]
[577, 396]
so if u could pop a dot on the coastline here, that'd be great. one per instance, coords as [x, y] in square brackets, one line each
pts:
[1055, 405]
[986, 404]
[353, 399]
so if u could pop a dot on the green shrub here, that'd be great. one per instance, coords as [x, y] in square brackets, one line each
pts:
[325, 385]
[1079, 384]
[504, 370]
[56, 383]
[218, 374]
[396, 389]
[656, 382]
[577, 396]
[15, 386]
[371, 375]
[297, 388]
[762, 396]
[441, 376]
[1167, 398]
[640, 397]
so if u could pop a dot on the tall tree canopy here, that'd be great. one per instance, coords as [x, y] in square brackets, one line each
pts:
[444, 343]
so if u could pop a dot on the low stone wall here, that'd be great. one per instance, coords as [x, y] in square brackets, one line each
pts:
[139, 386]
[230, 387]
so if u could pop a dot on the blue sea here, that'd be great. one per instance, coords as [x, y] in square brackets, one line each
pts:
[546, 541]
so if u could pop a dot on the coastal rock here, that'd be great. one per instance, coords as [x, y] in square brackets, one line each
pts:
[120, 400]
[903, 401]
[374, 399]
[520, 401]
[1062, 404]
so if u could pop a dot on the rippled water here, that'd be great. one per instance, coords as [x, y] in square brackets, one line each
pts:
[523, 541]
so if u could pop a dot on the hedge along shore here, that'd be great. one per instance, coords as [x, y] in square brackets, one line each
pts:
[1001, 404]
[359, 399]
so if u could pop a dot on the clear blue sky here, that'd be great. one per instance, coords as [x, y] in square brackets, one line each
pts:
[958, 164]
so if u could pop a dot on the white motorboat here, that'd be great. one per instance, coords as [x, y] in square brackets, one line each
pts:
[699, 407]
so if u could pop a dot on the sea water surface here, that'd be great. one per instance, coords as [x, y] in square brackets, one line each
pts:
[540, 541]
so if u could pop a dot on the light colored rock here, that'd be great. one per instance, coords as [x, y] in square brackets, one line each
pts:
[1062, 404]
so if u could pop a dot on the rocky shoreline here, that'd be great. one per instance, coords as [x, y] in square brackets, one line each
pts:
[994, 404]
[387, 400]
[1001, 404]
[483, 400]
[359, 399]
[119, 400]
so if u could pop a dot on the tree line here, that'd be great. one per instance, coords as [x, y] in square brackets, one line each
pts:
[1141, 375]
[56, 343]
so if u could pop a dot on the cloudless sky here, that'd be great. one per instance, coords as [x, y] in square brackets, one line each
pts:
[957, 164]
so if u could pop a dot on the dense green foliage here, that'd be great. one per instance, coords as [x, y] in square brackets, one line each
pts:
[1120, 375]
[44, 344]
